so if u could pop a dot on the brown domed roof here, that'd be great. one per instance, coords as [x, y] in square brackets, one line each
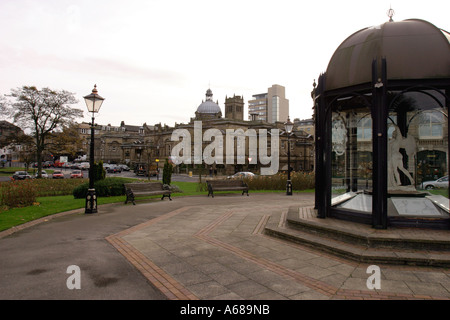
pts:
[414, 49]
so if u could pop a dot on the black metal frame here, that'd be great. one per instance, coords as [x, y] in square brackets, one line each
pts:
[379, 111]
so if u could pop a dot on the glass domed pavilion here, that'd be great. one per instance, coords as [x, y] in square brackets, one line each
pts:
[381, 113]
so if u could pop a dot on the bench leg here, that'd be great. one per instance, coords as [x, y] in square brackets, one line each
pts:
[131, 199]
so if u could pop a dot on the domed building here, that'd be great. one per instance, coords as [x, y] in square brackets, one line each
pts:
[381, 112]
[208, 109]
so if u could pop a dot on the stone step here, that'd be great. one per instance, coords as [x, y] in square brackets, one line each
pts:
[356, 233]
[340, 241]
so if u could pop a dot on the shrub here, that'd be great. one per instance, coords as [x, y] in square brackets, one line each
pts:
[99, 173]
[18, 194]
[104, 188]
[300, 181]
[55, 187]
[167, 172]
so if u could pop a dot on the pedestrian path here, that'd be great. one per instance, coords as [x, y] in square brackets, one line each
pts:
[218, 250]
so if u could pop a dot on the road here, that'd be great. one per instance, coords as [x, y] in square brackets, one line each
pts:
[127, 174]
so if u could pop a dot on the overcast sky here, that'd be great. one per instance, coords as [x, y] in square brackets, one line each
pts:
[153, 60]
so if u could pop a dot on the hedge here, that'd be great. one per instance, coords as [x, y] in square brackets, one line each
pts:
[104, 188]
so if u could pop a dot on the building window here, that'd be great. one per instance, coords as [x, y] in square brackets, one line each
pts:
[364, 129]
[275, 108]
[430, 125]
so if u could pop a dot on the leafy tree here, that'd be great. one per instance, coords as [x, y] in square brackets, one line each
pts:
[41, 111]
[2, 106]
[65, 141]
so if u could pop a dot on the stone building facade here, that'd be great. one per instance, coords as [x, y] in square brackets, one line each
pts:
[9, 152]
[152, 144]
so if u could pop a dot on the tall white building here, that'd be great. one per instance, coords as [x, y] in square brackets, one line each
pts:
[271, 106]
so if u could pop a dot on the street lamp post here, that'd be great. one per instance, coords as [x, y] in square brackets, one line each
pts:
[93, 103]
[288, 127]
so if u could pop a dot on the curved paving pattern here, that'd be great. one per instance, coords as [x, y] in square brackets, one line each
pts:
[219, 252]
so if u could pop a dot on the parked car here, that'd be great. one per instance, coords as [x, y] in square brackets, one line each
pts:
[47, 164]
[439, 183]
[243, 174]
[44, 174]
[58, 175]
[76, 166]
[85, 165]
[114, 169]
[76, 174]
[21, 175]
[124, 167]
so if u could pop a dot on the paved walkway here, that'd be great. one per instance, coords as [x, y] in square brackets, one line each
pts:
[197, 248]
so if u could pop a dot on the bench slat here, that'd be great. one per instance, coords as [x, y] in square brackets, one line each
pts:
[226, 185]
[145, 189]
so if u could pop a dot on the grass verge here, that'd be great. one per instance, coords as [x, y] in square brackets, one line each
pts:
[45, 206]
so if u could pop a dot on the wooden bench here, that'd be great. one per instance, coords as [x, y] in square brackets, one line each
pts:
[134, 190]
[226, 185]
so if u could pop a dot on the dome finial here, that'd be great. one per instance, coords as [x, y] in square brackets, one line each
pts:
[390, 14]
[209, 94]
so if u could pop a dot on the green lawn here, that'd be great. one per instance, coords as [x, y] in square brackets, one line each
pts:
[442, 192]
[46, 206]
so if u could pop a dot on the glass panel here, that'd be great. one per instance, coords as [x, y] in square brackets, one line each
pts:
[351, 159]
[417, 153]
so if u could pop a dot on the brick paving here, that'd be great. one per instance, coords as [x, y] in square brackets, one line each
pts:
[220, 252]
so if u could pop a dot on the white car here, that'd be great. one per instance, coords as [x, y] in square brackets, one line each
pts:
[85, 165]
[243, 174]
[44, 174]
[436, 184]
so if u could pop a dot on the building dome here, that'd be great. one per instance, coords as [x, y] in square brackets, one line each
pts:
[209, 106]
[413, 49]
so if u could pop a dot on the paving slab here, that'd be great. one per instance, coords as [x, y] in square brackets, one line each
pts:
[194, 248]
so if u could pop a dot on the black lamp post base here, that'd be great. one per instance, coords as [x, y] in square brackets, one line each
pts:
[91, 202]
[289, 188]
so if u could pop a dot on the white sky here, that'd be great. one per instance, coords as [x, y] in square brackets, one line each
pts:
[153, 60]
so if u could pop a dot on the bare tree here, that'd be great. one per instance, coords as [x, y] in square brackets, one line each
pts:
[41, 111]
